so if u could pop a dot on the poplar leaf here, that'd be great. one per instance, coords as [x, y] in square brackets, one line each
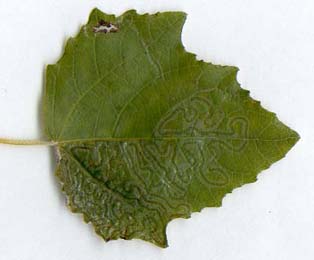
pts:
[147, 133]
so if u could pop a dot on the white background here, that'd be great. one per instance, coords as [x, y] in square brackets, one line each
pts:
[271, 41]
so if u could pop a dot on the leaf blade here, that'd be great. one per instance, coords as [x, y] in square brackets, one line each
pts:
[143, 124]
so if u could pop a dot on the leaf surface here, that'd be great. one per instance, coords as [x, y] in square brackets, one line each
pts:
[146, 132]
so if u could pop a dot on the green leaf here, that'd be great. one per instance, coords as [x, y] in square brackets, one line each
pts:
[145, 132]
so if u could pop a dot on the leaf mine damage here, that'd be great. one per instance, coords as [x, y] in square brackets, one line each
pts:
[105, 27]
